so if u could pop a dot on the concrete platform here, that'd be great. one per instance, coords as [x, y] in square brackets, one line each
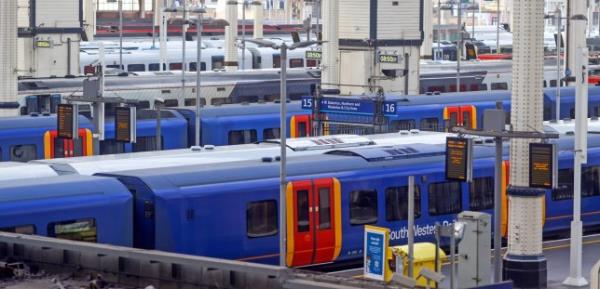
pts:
[557, 253]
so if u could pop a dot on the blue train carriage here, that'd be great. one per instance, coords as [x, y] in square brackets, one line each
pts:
[230, 210]
[190, 209]
[81, 208]
[245, 123]
[174, 133]
[34, 137]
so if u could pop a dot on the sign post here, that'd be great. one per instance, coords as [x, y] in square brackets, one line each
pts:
[375, 249]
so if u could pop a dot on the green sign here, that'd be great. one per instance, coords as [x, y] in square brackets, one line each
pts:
[388, 58]
[314, 55]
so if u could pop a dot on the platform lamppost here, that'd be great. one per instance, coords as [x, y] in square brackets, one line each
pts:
[199, 11]
[283, 47]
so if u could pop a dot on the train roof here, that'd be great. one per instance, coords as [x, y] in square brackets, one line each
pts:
[59, 187]
[160, 79]
[234, 153]
[16, 171]
[411, 157]
[23, 122]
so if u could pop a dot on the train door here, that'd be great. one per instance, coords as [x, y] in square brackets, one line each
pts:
[463, 116]
[313, 222]
[300, 126]
[55, 147]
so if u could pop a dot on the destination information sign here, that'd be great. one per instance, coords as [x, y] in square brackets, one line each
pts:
[123, 124]
[349, 106]
[458, 159]
[66, 121]
[541, 165]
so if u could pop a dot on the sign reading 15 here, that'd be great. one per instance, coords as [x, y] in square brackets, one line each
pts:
[307, 103]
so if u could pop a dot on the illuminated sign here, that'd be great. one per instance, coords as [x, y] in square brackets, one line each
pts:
[542, 161]
[67, 121]
[123, 124]
[458, 159]
[43, 44]
[388, 58]
[314, 55]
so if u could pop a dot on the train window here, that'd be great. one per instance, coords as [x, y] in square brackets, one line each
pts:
[481, 194]
[403, 124]
[311, 63]
[363, 207]
[248, 98]
[295, 96]
[116, 66]
[545, 83]
[445, 198]
[193, 66]
[302, 209]
[242, 136]
[429, 124]
[466, 116]
[324, 209]
[192, 101]
[483, 87]
[78, 230]
[436, 88]
[23, 153]
[276, 61]
[462, 88]
[175, 66]
[474, 87]
[143, 104]
[218, 62]
[296, 62]
[111, 146]
[565, 185]
[590, 182]
[171, 103]
[553, 83]
[261, 219]
[136, 67]
[219, 101]
[500, 86]
[156, 66]
[25, 230]
[271, 133]
[146, 143]
[396, 203]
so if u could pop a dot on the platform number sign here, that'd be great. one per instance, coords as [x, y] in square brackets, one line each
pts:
[459, 159]
[125, 124]
[389, 58]
[389, 108]
[67, 121]
[542, 165]
[314, 55]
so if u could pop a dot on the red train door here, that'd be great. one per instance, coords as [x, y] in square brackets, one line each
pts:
[300, 126]
[313, 222]
[464, 116]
